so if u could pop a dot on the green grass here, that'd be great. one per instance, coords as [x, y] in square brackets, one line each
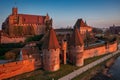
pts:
[7, 47]
[89, 60]
[45, 75]
[88, 73]
[2, 57]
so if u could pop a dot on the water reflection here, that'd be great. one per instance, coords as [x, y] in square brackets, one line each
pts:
[115, 69]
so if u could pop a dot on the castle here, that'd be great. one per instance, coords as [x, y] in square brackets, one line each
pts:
[83, 27]
[17, 26]
[25, 24]
[53, 52]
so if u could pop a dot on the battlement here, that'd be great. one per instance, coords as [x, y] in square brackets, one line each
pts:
[77, 48]
[52, 57]
[15, 39]
[99, 50]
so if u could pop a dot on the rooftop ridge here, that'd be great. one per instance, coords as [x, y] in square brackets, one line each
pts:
[32, 15]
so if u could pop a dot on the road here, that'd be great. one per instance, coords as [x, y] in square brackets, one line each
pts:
[85, 68]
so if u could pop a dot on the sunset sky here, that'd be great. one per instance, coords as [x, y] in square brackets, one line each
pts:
[97, 13]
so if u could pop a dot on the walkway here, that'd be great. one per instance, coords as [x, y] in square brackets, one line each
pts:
[85, 68]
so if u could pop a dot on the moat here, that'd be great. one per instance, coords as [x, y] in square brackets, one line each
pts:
[115, 69]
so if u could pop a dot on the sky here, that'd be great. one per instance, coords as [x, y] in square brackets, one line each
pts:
[97, 13]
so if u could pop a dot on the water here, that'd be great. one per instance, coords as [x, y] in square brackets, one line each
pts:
[115, 69]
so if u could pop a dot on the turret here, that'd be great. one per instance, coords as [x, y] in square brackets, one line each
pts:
[51, 52]
[63, 51]
[85, 23]
[14, 11]
[47, 17]
[76, 48]
[48, 22]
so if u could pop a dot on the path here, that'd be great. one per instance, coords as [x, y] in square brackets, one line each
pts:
[85, 68]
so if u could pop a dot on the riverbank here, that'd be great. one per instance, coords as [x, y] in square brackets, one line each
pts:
[99, 72]
[104, 73]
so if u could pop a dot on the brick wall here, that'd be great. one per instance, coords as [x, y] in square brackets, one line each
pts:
[113, 47]
[6, 39]
[15, 68]
[51, 59]
[100, 50]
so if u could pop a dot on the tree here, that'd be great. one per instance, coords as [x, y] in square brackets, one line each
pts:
[87, 38]
[97, 30]
[10, 56]
[34, 38]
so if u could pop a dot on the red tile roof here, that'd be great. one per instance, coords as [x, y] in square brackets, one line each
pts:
[51, 41]
[76, 38]
[80, 23]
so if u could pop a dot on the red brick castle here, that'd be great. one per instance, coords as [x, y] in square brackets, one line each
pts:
[25, 24]
[53, 52]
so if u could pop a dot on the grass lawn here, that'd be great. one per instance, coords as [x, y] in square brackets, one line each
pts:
[2, 57]
[40, 74]
[89, 60]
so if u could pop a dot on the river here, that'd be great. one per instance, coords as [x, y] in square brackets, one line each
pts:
[115, 69]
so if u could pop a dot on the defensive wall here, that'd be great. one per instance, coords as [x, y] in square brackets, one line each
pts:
[7, 39]
[99, 50]
[15, 68]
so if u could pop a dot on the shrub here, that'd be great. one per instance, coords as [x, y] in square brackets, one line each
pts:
[34, 38]
[10, 56]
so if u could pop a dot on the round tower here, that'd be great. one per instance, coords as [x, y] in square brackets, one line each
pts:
[47, 18]
[76, 49]
[51, 52]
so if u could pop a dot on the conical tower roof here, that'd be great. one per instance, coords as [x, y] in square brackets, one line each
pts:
[76, 38]
[51, 41]
[79, 23]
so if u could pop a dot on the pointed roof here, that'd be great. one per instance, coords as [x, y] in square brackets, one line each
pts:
[76, 38]
[51, 41]
[47, 14]
[79, 23]
[85, 23]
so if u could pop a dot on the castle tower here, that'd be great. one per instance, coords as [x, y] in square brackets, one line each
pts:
[76, 48]
[63, 51]
[47, 17]
[14, 11]
[51, 52]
